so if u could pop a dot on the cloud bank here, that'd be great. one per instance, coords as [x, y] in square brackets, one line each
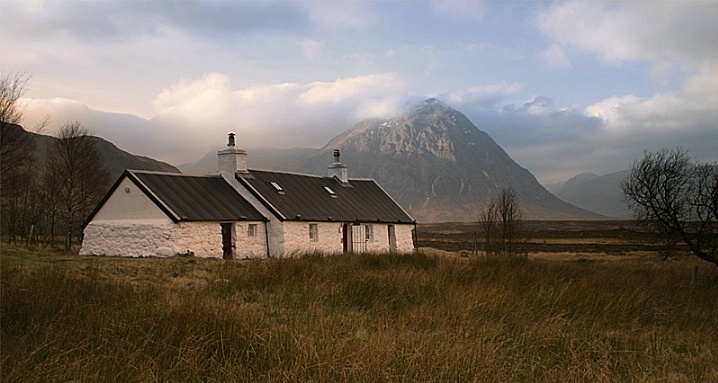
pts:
[569, 87]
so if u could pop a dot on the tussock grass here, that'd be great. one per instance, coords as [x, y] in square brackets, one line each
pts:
[368, 317]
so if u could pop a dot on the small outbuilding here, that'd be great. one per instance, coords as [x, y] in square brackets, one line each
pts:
[244, 213]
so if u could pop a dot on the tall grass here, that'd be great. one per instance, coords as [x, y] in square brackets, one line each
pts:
[354, 318]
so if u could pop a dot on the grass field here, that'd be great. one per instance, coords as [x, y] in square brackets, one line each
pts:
[581, 315]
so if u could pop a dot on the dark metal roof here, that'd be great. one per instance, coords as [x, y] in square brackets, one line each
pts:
[196, 198]
[306, 198]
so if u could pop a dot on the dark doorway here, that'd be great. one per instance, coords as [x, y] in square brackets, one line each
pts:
[392, 238]
[346, 238]
[227, 234]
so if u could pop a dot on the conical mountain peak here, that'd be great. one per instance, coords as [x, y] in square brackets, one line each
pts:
[438, 165]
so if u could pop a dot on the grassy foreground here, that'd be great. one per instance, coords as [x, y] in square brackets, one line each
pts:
[353, 318]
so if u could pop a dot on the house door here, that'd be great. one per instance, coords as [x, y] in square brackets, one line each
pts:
[358, 238]
[227, 240]
[392, 238]
[346, 238]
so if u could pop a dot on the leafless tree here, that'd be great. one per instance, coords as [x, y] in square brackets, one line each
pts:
[676, 199]
[16, 156]
[501, 223]
[12, 86]
[75, 171]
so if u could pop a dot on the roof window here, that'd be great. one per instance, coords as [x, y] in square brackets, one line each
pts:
[330, 191]
[277, 187]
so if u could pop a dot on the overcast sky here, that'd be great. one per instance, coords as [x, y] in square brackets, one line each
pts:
[563, 87]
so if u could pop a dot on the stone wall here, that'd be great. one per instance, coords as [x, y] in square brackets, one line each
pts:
[404, 240]
[250, 247]
[203, 239]
[296, 238]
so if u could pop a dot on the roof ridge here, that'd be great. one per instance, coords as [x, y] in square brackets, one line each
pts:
[161, 173]
[308, 175]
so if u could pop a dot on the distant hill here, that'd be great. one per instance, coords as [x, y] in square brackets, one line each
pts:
[600, 194]
[258, 158]
[115, 159]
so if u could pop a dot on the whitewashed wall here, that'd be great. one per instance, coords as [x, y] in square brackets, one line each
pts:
[128, 202]
[204, 239]
[125, 239]
[297, 241]
[404, 241]
[380, 242]
[250, 247]
[296, 237]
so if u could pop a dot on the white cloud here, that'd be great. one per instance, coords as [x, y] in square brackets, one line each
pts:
[486, 96]
[193, 101]
[644, 30]
[354, 88]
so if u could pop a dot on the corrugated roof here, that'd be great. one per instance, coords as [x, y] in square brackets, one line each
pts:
[306, 198]
[198, 198]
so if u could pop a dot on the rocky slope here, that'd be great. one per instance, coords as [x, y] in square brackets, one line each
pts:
[438, 166]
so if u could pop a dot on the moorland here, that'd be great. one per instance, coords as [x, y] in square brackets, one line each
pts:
[592, 302]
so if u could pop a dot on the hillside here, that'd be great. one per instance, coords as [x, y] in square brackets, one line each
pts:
[115, 159]
[600, 194]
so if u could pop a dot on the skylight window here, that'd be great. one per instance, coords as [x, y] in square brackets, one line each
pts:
[330, 191]
[277, 187]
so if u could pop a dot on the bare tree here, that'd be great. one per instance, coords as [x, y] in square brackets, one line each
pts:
[79, 178]
[502, 225]
[12, 86]
[677, 199]
[16, 155]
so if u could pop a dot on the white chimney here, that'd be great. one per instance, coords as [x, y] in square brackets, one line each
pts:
[338, 169]
[232, 160]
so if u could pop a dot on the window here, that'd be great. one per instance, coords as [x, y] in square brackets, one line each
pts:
[252, 230]
[313, 232]
[277, 187]
[369, 233]
[330, 191]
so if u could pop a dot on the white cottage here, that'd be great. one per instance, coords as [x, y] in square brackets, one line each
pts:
[243, 213]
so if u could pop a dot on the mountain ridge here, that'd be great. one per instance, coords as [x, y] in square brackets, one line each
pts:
[600, 194]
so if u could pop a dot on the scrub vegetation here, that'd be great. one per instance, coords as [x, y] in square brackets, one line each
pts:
[432, 316]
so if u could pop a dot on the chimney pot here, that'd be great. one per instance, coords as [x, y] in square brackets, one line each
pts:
[231, 139]
[338, 170]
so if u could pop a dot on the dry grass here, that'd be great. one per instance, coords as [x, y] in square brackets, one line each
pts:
[370, 317]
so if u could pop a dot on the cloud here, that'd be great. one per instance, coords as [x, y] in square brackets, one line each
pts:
[193, 101]
[200, 112]
[621, 31]
[485, 96]
[119, 20]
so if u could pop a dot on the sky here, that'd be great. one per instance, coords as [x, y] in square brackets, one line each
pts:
[564, 87]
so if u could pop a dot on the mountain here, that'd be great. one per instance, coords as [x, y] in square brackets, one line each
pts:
[569, 184]
[438, 165]
[115, 159]
[600, 194]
